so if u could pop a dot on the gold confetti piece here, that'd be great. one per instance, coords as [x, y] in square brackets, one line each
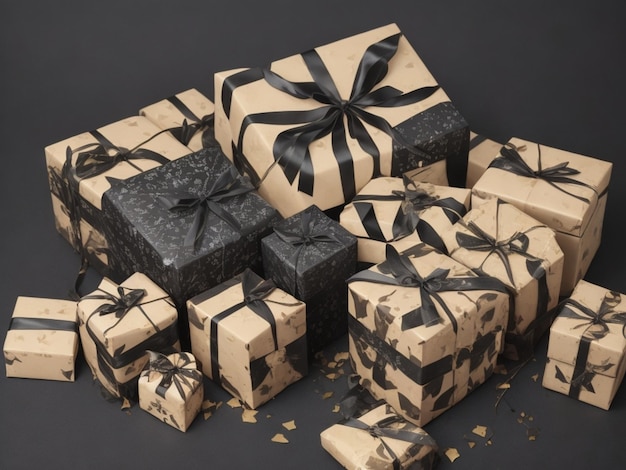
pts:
[532, 434]
[520, 420]
[535, 377]
[522, 414]
[332, 376]
[342, 356]
[249, 416]
[336, 409]
[327, 395]
[268, 416]
[290, 425]
[125, 404]
[280, 438]
[234, 403]
[503, 386]
[480, 430]
[488, 443]
[471, 444]
[530, 418]
[452, 454]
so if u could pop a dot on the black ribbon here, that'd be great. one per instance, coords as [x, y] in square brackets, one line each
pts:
[192, 124]
[205, 201]
[30, 323]
[291, 148]
[182, 373]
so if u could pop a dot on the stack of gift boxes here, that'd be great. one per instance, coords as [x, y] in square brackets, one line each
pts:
[336, 191]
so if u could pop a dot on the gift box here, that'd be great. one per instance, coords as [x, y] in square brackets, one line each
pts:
[380, 439]
[310, 256]
[189, 225]
[188, 116]
[420, 329]
[402, 213]
[249, 337]
[561, 189]
[497, 239]
[118, 324]
[587, 346]
[42, 339]
[482, 152]
[171, 389]
[82, 168]
[305, 139]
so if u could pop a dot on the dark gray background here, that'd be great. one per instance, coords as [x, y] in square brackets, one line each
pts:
[551, 72]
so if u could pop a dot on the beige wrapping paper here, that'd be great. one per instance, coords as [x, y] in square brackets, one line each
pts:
[482, 151]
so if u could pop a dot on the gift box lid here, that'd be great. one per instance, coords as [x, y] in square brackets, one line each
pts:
[561, 188]
[174, 376]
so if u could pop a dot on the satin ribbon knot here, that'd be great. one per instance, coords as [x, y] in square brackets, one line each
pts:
[178, 374]
[120, 305]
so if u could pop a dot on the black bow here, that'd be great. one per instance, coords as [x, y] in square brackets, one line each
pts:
[596, 324]
[180, 373]
[192, 124]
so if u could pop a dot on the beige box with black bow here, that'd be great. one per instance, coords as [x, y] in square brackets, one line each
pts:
[587, 347]
[499, 240]
[249, 337]
[564, 190]
[118, 324]
[314, 128]
[188, 115]
[82, 168]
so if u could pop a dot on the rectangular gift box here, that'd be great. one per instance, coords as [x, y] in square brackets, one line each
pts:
[188, 115]
[82, 168]
[586, 357]
[421, 326]
[249, 337]
[118, 324]
[564, 190]
[497, 239]
[42, 340]
[402, 213]
[380, 439]
[310, 256]
[189, 225]
[482, 152]
[171, 389]
[286, 126]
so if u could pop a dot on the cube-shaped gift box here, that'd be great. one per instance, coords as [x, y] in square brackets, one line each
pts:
[42, 340]
[188, 115]
[424, 330]
[249, 337]
[587, 346]
[310, 256]
[564, 190]
[380, 439]
[314, 128]
[189, 225]
[497, 239]
[482, 152]
[118, 324]
[82, 168]
[170, 388]
[402, 213]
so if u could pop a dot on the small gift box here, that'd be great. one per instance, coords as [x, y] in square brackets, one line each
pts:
[482, 151]
[118, 324]
[420, 328]
[189, 225]
[171, 389]
[249, 337]
[314, 128]
[586, 351]
[561, 189]
[380, 439]
[42, 340]
[310, 256]
[82, 168]
[188, 116]
[402, 213]
[499, 240]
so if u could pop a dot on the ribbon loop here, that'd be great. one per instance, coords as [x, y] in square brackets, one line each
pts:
[180, 373]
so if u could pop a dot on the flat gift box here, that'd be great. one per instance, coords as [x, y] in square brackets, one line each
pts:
[171, 389]
[82, 168]
[188, 115]
[482, 151]
[586, 357]
[402, 213]
[420, 328]
[497, 239]
[119, 323]
[249, 337]
[297, 130]
[310, 256]
[380, 439]
[42, 339]
[564, 190]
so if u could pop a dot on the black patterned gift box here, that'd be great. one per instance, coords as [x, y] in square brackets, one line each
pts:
[310, 256]
[424, 330]
[249, 337]
[314, 128]
[189, 225]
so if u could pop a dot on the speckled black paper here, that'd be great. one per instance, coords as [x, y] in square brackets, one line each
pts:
[440, 131]
[146, 237]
